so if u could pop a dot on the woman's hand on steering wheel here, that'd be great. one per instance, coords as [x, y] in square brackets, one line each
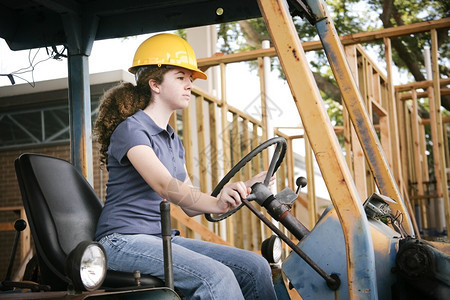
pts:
[260, 178]
[275, 161]
[231, 194]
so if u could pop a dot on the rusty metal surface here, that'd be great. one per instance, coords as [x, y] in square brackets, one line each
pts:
[366, 133]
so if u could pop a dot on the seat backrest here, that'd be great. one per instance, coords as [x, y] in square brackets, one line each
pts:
[62, 210]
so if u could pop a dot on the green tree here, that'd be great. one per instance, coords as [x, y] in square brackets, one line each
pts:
[352, 16]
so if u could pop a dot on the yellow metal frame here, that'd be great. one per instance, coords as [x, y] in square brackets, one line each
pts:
[359, 117]
[359, 247]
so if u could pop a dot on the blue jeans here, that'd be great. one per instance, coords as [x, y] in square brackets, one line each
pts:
[202, 270]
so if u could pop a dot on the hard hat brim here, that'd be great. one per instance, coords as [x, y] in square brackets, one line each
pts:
[196, 73]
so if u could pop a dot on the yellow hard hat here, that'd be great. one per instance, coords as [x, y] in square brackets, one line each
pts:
[166, 49]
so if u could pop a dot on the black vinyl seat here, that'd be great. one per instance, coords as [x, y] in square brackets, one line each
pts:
[62, 210]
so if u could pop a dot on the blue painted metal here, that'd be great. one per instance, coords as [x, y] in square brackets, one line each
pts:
[80, 115]
[80, 31]
[279, 285]
[317, 8]
[355, 105]
[326, 246]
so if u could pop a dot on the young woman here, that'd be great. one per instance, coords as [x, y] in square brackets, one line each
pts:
[145, 161]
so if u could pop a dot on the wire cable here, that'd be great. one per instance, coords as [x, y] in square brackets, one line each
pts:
[53, 53]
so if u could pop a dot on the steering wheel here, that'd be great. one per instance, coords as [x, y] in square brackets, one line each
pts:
[275, 162]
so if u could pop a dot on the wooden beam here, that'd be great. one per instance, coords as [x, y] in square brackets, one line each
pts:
[444, 120]
[213, 142]
[201, 133]
[187, 139]
[417, 154]
[440, 173]
[420, 85]
[392, 112]
[364, 37]
[408, 96]
[352, 39]
[7, 226]
[11, 208]
[207, 235]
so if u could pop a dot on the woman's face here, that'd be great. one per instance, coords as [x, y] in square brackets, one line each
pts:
[175, 89]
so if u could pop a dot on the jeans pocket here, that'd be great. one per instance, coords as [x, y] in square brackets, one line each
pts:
[114, 240]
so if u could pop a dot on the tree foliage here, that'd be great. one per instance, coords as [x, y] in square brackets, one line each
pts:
[353, 16]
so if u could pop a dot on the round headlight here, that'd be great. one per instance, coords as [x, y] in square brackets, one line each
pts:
[271, 249]
[86, 266]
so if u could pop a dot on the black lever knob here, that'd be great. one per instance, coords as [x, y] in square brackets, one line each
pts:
[20, 225]
[301, 183]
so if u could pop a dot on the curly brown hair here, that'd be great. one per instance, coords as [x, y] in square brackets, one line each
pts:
[122, 101]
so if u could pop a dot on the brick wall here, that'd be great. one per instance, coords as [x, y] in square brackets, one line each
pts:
[10, 194]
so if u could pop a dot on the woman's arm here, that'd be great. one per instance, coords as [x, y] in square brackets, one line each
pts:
[158, 177]
[189, 212]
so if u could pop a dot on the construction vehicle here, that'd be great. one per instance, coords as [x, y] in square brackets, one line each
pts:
[360, 248]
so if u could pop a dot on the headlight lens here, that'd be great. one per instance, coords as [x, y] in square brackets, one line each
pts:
[271, 249]
[92, 267]
[86, 266]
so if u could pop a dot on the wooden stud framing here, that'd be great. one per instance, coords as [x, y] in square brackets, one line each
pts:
[440, 145]
[202, 159]
[213, 144]
[392, 112]
[417, 155]
[312, 205]
[357, 155]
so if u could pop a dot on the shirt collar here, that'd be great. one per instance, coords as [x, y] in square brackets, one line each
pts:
[154, 129]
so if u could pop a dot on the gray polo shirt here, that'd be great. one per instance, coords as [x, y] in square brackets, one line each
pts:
[132, 206]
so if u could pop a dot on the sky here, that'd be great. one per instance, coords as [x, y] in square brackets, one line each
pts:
[107, 55]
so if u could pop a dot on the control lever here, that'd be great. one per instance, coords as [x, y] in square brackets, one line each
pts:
[8, 284]
[301, 183]
[19, 226]
[167, 243]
